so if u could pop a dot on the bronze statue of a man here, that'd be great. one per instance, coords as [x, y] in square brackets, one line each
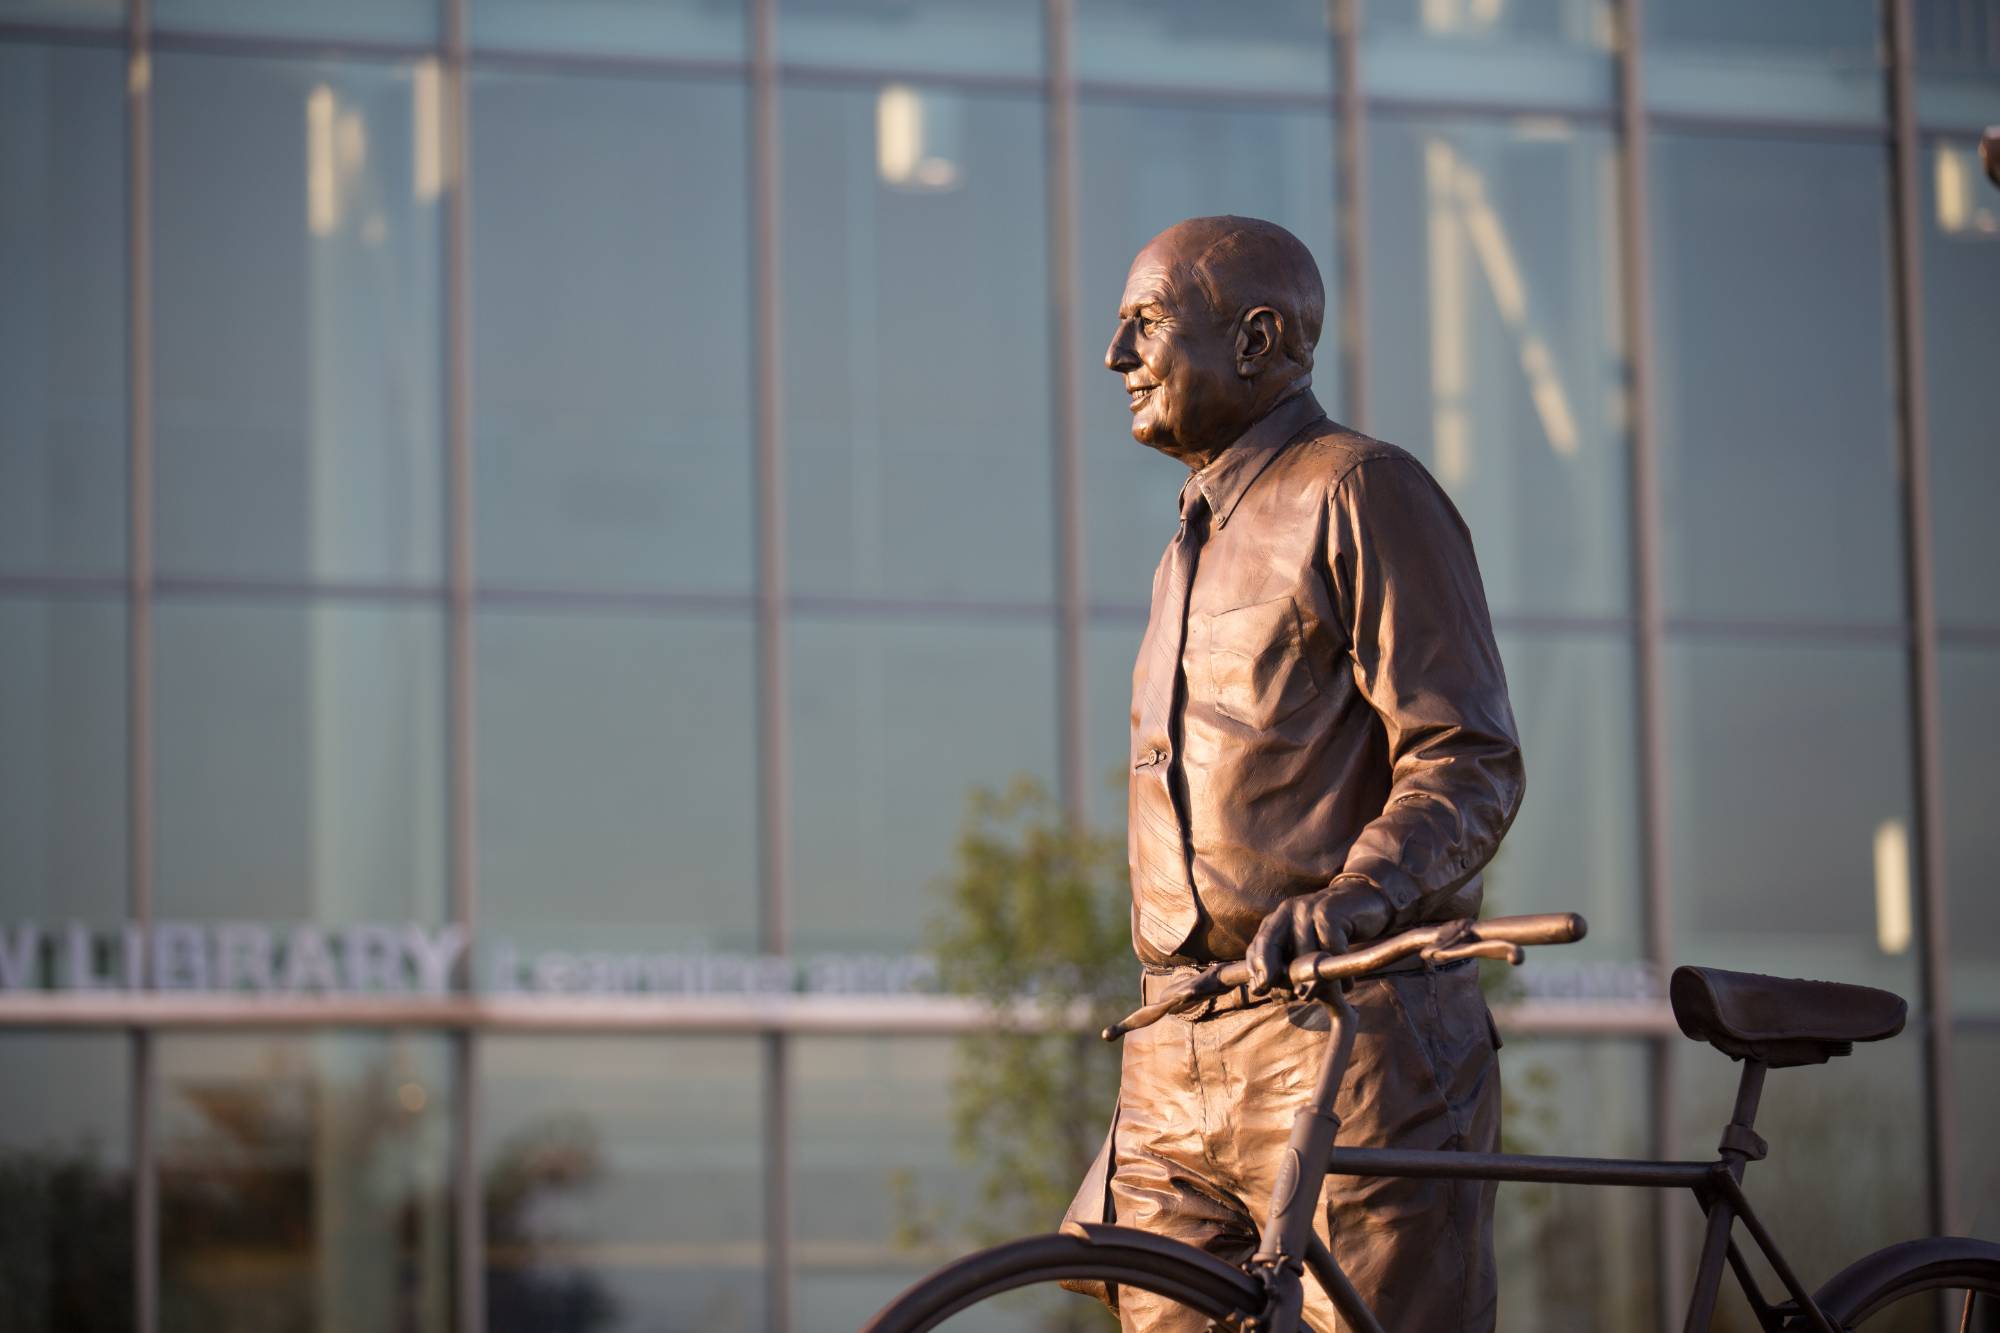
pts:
[1322, 752]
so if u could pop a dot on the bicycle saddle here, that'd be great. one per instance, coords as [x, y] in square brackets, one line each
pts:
[1779, 1021]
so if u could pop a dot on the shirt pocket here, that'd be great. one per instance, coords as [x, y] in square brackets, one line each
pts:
[1257, 669]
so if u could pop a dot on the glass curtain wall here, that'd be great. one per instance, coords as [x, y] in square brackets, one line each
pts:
[528, 528]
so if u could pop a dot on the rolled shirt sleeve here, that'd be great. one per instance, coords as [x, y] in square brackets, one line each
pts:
[1421, 646]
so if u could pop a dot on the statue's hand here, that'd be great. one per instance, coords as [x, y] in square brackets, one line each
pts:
[1349, 911]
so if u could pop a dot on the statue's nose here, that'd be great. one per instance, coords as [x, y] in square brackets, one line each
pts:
[1119, 356]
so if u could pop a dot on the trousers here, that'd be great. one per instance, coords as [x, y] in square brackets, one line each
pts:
[1205, 1107]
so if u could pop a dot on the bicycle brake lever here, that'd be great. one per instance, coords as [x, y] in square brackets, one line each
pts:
[1507, 953]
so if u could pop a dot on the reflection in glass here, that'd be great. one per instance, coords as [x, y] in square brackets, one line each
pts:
[1148, 45]
[1958, 62]
[80, 13]
[617, 796]
[65, 1182]
[1538, 52]
[62, 761]
[1110, 652]
[1775, 406]
[1975, 1053]
[623, 1184]
[296, 319]
[62, 324]
[1575, 845]
[893, 723]
[1789, 809]
[1961, 272]
[1573, 1257]
[299, 762]
[1496, 354]
[304, 1182]
[1783, 59]
[1969, 708]
[376, 20]
[611, 351]
[930, 36]
[1846, 1168]
[1142, 169]
[880, 1196]
[916, 346]
[698, 29]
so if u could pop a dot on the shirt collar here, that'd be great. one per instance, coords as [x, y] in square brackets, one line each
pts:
[1225, 480]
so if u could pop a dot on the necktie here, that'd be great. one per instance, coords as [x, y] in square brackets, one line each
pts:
[1161, 882]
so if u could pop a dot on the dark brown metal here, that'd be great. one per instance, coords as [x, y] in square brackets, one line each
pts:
[1518, 1167]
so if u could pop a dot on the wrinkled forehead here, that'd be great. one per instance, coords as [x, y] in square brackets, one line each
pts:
[1157, 277]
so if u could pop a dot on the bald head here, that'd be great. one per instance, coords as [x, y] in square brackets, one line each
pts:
[1217, 326]
[1238, 264]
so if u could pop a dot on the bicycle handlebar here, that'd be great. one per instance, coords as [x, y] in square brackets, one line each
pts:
[1444, 942]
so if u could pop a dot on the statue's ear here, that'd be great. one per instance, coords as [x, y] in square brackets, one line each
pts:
[1259, 335]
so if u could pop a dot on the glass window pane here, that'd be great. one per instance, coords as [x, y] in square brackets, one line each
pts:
[1499, 357]
[933, 36]
[62, 761]
[612, 350]
[893, 723]
[880, 1196]
[1569, 1257]
[1969, 707]
[1110, 652]
[698, 29]
[1575, 844]
[304, 1182]
[374, 20]
[62, 325]
[617, 781]
[1144, 44]
[623, 1182]
[65, 1182]
[81, 13]
[1961, 271]
[1775, 408]
[1789, 810]
[916, 345]
[1958, 62]
[296, 318]
[1976, 1072]
[1784, 59]
[299, 762]
[1542, 52]
[1276, 165]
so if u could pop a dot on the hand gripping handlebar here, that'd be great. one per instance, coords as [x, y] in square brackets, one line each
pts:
[1438, 944]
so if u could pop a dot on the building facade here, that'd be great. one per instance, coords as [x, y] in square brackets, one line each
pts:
[521, 524]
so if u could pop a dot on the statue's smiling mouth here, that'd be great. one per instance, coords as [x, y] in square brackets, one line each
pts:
[1140, 393]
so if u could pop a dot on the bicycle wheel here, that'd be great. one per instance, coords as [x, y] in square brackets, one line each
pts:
[1916, 1284]
[1108, 1253]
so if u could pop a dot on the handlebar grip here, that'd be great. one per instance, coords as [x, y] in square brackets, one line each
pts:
[1542, 928]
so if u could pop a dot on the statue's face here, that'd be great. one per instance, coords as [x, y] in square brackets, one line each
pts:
[1177, 359]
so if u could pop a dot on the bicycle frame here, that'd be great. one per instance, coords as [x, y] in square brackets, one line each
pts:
[1288, 1246]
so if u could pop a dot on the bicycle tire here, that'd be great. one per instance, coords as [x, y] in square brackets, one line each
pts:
[1875, 1285]
[1121, 1255]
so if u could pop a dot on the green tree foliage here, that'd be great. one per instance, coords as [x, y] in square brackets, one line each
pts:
[1037, 927]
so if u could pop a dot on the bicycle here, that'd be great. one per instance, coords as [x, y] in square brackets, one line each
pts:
[1765, 1022]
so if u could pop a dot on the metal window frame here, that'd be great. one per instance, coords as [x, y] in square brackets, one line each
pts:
[143, 1074]
[1925, 721]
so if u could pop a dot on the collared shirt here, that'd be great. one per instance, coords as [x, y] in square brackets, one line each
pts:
[1343, 708]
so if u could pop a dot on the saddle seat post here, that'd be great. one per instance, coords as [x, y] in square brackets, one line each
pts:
[1741, 1145]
